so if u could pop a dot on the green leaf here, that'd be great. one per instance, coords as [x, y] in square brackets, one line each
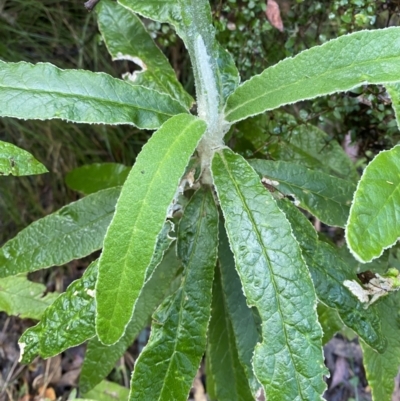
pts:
[394, 92]
[228, 73]
[128, 248]
[330, 322]
[166, 367]
[68, 322]
[29, 345]
[382, 369]
[215, 73]
[43, 92]
[100, 359]
[16, 161]
[374, 221]
[275, 280]
[126, 38]
[108, 391]
[164, 241]
[228, 375]
[379, 265]
[24, 298]
[324, 196]
[366, 57]
[210, 385]
[330, 289]
[71, 319]
[75, 231]
[310, 146]
[165, 11]
[243, 326]
[329, 271]
[281, 137]
[95, 177]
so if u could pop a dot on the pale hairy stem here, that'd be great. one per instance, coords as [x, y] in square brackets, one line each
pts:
[200, 42]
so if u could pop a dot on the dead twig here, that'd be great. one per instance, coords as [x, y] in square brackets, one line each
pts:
[91, 4]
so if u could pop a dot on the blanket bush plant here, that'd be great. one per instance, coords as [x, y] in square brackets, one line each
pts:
[209, 246]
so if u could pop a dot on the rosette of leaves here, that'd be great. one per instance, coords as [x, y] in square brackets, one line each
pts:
[194, 237]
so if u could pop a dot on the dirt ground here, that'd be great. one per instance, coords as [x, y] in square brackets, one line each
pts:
[56, 377]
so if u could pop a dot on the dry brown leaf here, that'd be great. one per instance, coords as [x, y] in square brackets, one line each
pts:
[53, 370]
[91, 4]
[273, 14]
[70, 378]
[199, 393]
[46, 394]
[341, 372]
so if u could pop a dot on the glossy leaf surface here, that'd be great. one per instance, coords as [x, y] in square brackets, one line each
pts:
[329, 271]
[29, 345]
[382, 369]
[128, 248]
[75, 231]
[275, 280]
[91, 178]
[374, 221]
[23, 298]
[100, 359]
[43, 92]
[244, 325]
[166, 367]
[325, 196]
[126, 38]
[228, 376]
[16, 161]
[366, 57]
[68, 322]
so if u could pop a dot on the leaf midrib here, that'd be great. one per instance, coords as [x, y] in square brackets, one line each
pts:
[39, 245]
[312, 191]
[139, 213]
[255, 229]
[92, 98]
[297, 149]
[301, 81]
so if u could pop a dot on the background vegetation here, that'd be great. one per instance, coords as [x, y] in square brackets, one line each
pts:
[63, 33]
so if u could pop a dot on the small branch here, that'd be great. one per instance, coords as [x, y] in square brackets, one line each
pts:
[91, 4]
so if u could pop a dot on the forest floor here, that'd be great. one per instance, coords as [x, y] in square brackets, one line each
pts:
[55, 378]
